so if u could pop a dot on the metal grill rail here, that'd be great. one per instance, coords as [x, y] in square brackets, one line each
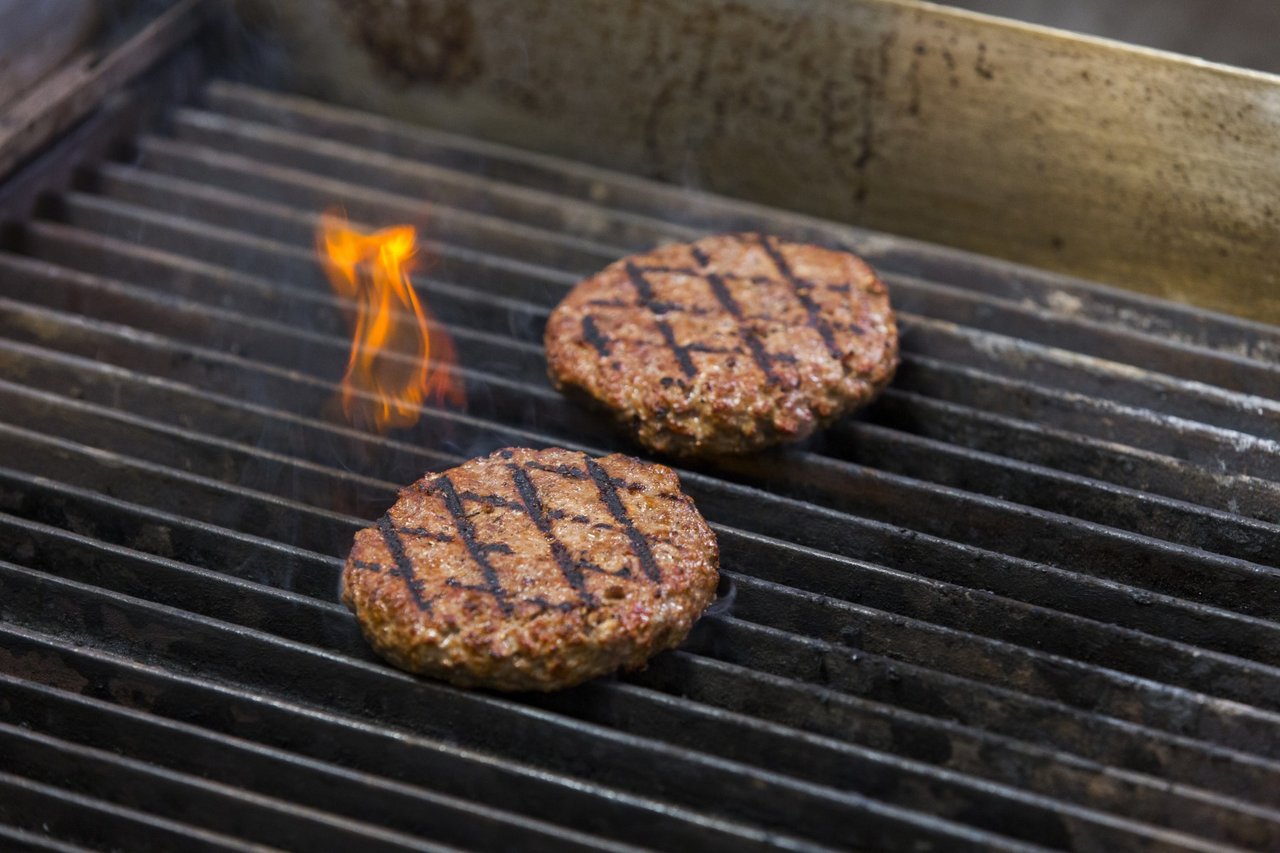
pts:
[1028, 599]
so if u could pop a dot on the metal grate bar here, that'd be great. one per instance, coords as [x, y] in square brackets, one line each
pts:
[393, 754]
[1048, 489]
[212, 174]
[24, 841]
[353, 685]
[239, 764]
[1196, 443]
[265, 257]
[99, 824]
[1136, 386]
[145, 787]
[1074, 453]
[966, 749]
[451, 189]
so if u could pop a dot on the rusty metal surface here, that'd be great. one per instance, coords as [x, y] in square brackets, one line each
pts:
[1145, 170]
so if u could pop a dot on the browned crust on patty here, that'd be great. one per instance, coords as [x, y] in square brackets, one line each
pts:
[726, 345]
[533, 570]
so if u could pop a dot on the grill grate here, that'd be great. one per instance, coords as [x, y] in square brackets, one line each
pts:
[1028, 599]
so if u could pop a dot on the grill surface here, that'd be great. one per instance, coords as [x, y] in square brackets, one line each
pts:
[1028, 599]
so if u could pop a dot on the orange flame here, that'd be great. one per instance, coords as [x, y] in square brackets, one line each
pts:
[397, 361]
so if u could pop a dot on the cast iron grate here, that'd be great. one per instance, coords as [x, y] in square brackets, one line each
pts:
[1027, 599]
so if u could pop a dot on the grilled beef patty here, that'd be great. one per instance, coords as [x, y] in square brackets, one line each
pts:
[533, 570]
[726, 345]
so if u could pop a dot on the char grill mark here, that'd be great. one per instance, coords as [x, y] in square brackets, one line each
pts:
[717, 284]
[687, 367]
[644, 290]
[533, 507]
[527, 502]
[609, 495]
[403, 568]
[592, 335]
[801, 290]
[479, 551]
[725, 297]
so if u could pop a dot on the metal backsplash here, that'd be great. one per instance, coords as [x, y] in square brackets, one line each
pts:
[1146, 170]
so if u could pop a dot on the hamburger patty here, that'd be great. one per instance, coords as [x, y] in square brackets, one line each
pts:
[533, 570]
[726, 345]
